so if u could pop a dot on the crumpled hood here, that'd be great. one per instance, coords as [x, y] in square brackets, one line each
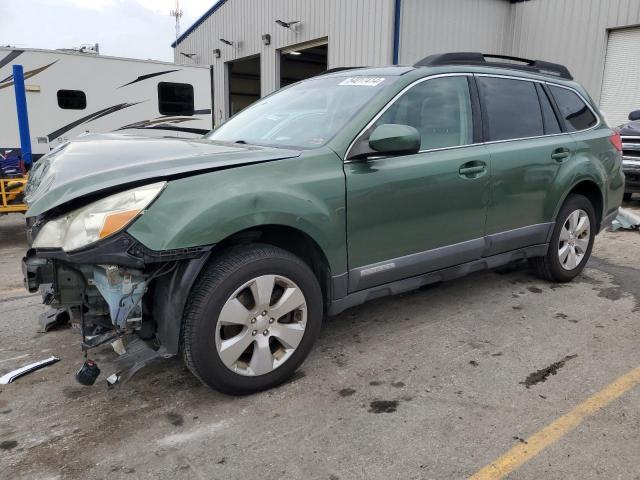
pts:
[631, 129]
[97, 162]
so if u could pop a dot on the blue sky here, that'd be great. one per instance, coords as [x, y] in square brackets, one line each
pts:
[125, 28]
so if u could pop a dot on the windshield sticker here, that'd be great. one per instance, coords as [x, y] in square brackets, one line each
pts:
[362, 81]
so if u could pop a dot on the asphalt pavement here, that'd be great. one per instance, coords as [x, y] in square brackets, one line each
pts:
[434, 384]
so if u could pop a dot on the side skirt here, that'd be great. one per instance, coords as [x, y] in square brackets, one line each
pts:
[407, 284]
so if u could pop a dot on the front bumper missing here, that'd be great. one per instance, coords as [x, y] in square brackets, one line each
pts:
[104, 286]
[106, 301]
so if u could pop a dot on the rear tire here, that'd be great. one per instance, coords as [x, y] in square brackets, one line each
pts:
[237, 337]
[627, 196]
[571, 242]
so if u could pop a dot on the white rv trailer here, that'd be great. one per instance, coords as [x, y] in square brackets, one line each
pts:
[69, 93]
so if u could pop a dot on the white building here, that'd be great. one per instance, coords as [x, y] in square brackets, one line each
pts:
[254, 51]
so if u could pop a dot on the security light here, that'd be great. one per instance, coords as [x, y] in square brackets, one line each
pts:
[216, 52]
[287, 24]
[226, 42]
[266, 39]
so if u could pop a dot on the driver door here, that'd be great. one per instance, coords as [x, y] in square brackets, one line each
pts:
[411, 214]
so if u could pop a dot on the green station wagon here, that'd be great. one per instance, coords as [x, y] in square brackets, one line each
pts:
[349, 186]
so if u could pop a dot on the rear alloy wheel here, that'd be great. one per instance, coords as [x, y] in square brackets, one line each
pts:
[571, 241]
[574, 239]
[251, 319]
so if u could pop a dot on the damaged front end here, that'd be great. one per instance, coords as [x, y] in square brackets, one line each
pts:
[117, 291]
[136, 306]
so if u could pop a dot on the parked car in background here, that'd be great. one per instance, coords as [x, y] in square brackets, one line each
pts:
[630, 134]
[336, 190]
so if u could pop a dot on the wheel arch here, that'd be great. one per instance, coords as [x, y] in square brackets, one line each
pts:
[171, 292]
[589, 189]
[291, 239]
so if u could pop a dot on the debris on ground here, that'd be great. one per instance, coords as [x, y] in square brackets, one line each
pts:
[32, 367]
[54, 317]
[626, 220]
[542, 374]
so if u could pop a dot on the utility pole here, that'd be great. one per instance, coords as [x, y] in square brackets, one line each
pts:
[177, 13]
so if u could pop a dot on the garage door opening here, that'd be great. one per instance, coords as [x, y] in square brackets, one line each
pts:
[621, 82]
[303, 61]
[244, 83]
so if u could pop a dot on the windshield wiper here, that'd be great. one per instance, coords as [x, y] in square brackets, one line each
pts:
[243, 142]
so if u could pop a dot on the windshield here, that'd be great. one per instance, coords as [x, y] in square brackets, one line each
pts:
[305, 115]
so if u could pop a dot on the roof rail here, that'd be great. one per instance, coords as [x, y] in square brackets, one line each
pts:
[476, 58]
[338, 69]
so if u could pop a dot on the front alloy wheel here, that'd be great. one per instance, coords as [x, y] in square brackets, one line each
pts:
[251, 319]
[261, 325]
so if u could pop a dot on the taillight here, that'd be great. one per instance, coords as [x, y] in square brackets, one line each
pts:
[616, 141]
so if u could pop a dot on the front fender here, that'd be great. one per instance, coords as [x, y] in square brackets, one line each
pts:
[306, 193]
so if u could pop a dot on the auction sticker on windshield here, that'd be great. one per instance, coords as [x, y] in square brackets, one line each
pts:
[362, 81]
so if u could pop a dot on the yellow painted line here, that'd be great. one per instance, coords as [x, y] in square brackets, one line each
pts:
[523, 452]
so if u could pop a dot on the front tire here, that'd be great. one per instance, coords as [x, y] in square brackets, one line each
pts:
[571, 242]
[251, 319]
[627, 196]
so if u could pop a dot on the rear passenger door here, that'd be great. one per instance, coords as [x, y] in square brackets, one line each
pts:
[528, 152]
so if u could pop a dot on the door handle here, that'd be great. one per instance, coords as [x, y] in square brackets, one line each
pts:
[560, 154]
[473, 169]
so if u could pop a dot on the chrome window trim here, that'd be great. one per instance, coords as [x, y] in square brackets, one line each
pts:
[491, 142]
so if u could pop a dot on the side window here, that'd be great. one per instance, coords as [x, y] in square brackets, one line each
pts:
[575, 112]
[175, 98]
[440, 109]
[72, 99]
[551, 125]
[512, 109]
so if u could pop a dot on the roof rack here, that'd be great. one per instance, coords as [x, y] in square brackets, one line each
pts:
[476, 58]
[339, 69]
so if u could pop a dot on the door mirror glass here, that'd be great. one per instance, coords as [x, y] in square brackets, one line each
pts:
[393, 138]
[635, 115]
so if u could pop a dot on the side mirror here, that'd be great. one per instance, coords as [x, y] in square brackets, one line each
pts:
[635, 115]
[392, 138]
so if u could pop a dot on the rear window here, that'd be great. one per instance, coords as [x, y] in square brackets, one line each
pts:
[175, 98]
[511, 107]
[575, 112]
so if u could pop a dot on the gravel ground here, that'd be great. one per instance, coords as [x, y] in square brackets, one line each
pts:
[432, 384]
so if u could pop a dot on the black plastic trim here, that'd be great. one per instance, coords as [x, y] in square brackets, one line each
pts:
[476, 58]
[121, 249]
[171, 295]
[556, 109]
[476, 110]
[444, 257]
[413, 283]
[414, 264]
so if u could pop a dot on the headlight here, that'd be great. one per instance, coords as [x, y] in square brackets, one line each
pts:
[97, 220]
